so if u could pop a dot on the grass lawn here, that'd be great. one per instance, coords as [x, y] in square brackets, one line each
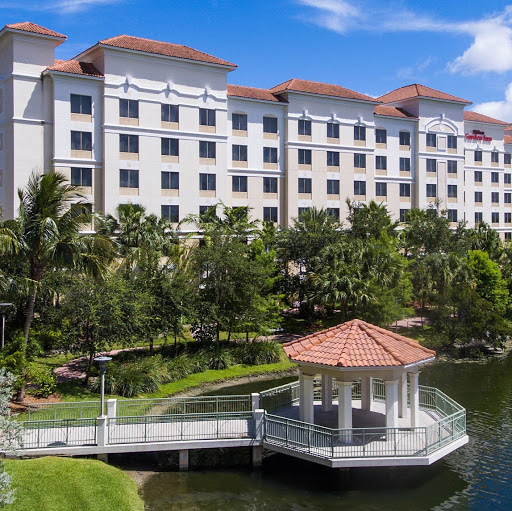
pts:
[69, 484]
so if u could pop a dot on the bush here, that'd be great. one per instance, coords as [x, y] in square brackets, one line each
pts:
[258, 352]
[180, 367]
[217, 356]
[42, 380]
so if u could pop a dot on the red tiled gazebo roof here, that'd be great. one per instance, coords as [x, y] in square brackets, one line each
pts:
[357, 344]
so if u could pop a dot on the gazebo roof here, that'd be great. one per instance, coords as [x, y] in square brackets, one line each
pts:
[357, 344]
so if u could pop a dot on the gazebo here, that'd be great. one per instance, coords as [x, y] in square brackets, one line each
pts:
[358, 350]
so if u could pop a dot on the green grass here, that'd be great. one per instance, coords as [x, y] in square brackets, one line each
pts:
[66, 484]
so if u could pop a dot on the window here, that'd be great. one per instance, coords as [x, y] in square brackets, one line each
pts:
[405, 190]
[405, 138]
[359, 187]
[495, 157]
[128, 143]
[270, 185]
[405, 164]
[129, 108]
[239, 122]
[478, 217]
[333, 130]
[207, 149]
[495, 197]
[381, 136]
[431, 140]
[270, 124]
[206, 117]
[495, 177]
[304, 127]
[452, 191]
[452, 142]
[333, 187]
[508, 236]
[300, 211]
[239, 153]
[239, 184]
[81, 141]
[129, 178]
[381, 162]
[431, 190]
[478, 155]
[381, 189]
[172, 213]
[452, 167]
[452, 215]
[478, 176]
[81, 177]
[507, 198]
[333, 159]
[270, 214]
[304, 185]
[170, 181]
[495, 217]
[507, 158]
[204, 209]
[304, 157]
[81, 104]
[403, 215]
[335, 212]
[207, 182]
[170, 147]
[431, 165]
[478, 197]
[170, 113]
[507, 178]
[270, 154]
[508, 218]
[359, 161]
[359, 133]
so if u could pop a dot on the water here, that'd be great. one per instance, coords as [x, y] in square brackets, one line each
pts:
[476, 477]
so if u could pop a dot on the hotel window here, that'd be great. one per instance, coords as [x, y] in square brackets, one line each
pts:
[239, 122]
[495, 197]
[478, 197]
[301, 211]
[479, 217]
[405, 164]
[431, 140]
[359, 161]
[507, 198]
[495, 217]
[403, 215]
[478, 176]
[431, 165]
[206, 117]
[381, 136]
[381, 189]
[304, 156]
[405, 138]
[270, 154]
[128, 143]
[333, 130]
[333, 187]
[207, 182]
[170, 180]
[431, 190]
[335, 212]
[129, 108]
[172, 213]
[452, 142]
[495, 157]
[507, 178]
[203, 210]
[304, 127]
[508, 218]
[304, 185]
[359, 133]
[207, 149]
[507, 158]
[359, 187]
[81, 177]
[81, 141]
[405, 190]
[270, 214]
[452, 191]
[478, 155]
[495, 177]
[171, 113]
[269, 124]
[129, 178]
[333, 159]
[452, 215]
[81, 104]
[239, 153]
[270, 185]
[452, 167]
[381, 162]
[239, 184]
[170, 147]
[508, 236]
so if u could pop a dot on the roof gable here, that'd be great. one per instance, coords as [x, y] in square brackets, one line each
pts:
[417, 90]
[393, 111]
[476, 117]
[75, 67]
[28, 26]
[253, 93]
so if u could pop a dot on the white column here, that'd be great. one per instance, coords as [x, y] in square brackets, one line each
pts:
[301, 395]
[414, 398]
[344, 404]
[255, 401]
[366, 392]
[402, 396]
[326, 393]
[309, 405]
[391, 403]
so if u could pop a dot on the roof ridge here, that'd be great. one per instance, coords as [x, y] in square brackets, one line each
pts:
[398, 337]
[354, 324]
[394, 355]
[282, 83]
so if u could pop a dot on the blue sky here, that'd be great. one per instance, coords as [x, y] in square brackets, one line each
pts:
[371, 46]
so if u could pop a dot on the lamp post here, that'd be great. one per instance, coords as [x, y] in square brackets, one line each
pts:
[4, 307]
[103, 369]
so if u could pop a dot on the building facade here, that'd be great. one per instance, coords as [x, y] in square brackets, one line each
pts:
[157, 124]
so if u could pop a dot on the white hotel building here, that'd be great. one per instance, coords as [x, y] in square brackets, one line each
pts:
[153, 123]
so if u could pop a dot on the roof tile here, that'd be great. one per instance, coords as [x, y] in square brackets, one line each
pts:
[475, 116]
[252, 93]
[27, 26]
[417, 90]
[75, 67]
[392, 111]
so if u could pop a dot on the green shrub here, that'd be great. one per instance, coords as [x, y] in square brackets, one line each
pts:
[216, 356]
[180, 367]
[258, 352]
[42, 380]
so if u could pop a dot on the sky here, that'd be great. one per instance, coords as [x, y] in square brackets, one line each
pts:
[463, 47]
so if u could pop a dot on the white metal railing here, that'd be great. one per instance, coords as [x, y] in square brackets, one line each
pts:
[59, 433]
[61, 411]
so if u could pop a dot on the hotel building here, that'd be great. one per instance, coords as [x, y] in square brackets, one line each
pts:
[157, 124]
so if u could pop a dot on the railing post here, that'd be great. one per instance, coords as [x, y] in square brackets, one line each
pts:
[255, 401]
[112, 410]
[101, 437]
[259, 424]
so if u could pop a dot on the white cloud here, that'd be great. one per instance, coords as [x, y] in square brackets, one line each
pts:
[58, 6]
[498, 109]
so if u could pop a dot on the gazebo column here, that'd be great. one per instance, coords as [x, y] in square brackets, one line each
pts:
[345, 407]
[309, 405]
[326, 393]
[366, 392]
[402, 396]
[415, 399]
[391, 403]
[301, 395]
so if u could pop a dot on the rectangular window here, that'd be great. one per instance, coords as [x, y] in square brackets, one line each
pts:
[403, 215]
[452, 142]
[431, 165]
[359, 133]
[269, 124]
[452, 167]
[333, 130]
[81, 141]
[478, 197]
[381, 136]
[495, 197]
[170, 113]
[239, 122]
[129, 108]
[128, 143]
[507, 178]
[431, 140]
[170, 147]
[239, 153]
[172, 213]
[333, 187]
[495, 217]
[452, 191]
[239, 184]
[405, 164]
[381, 162]
[81, 177]
[207, 149]
[81, 104]
[206, 117]
[304, 185]
[381, 189]
[304, 156]
[359, 187]
[495, 177]
[478, 217]
[270, 214]
[359, 161]
[508, 218]
[335, 212]
[508, 236]
[204, 209]
[129, 178]
[170, 181]
[431, 190]
[405, 138]
[452, 215]
[333, 159]
[405, 189]
[304, 127]
[495, 157]
[301, 211]
[507, 158]
[478, 155]
[478, 176]
[270, 185]
[207, 182]
[270, 154]
[507, 198]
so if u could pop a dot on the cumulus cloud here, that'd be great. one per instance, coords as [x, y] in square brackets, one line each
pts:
[498, 109]
[59, 6]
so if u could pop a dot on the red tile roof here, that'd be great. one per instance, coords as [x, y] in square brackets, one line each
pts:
[357, 344]
[419, 91]
[252, 93]
[474, 116]
[75, 67]
[392, 111]
[27, 26]
[160, 48]
[509, 128]
[324, 89]
[507, 139]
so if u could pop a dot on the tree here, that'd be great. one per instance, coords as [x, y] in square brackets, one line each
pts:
[370, 221]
